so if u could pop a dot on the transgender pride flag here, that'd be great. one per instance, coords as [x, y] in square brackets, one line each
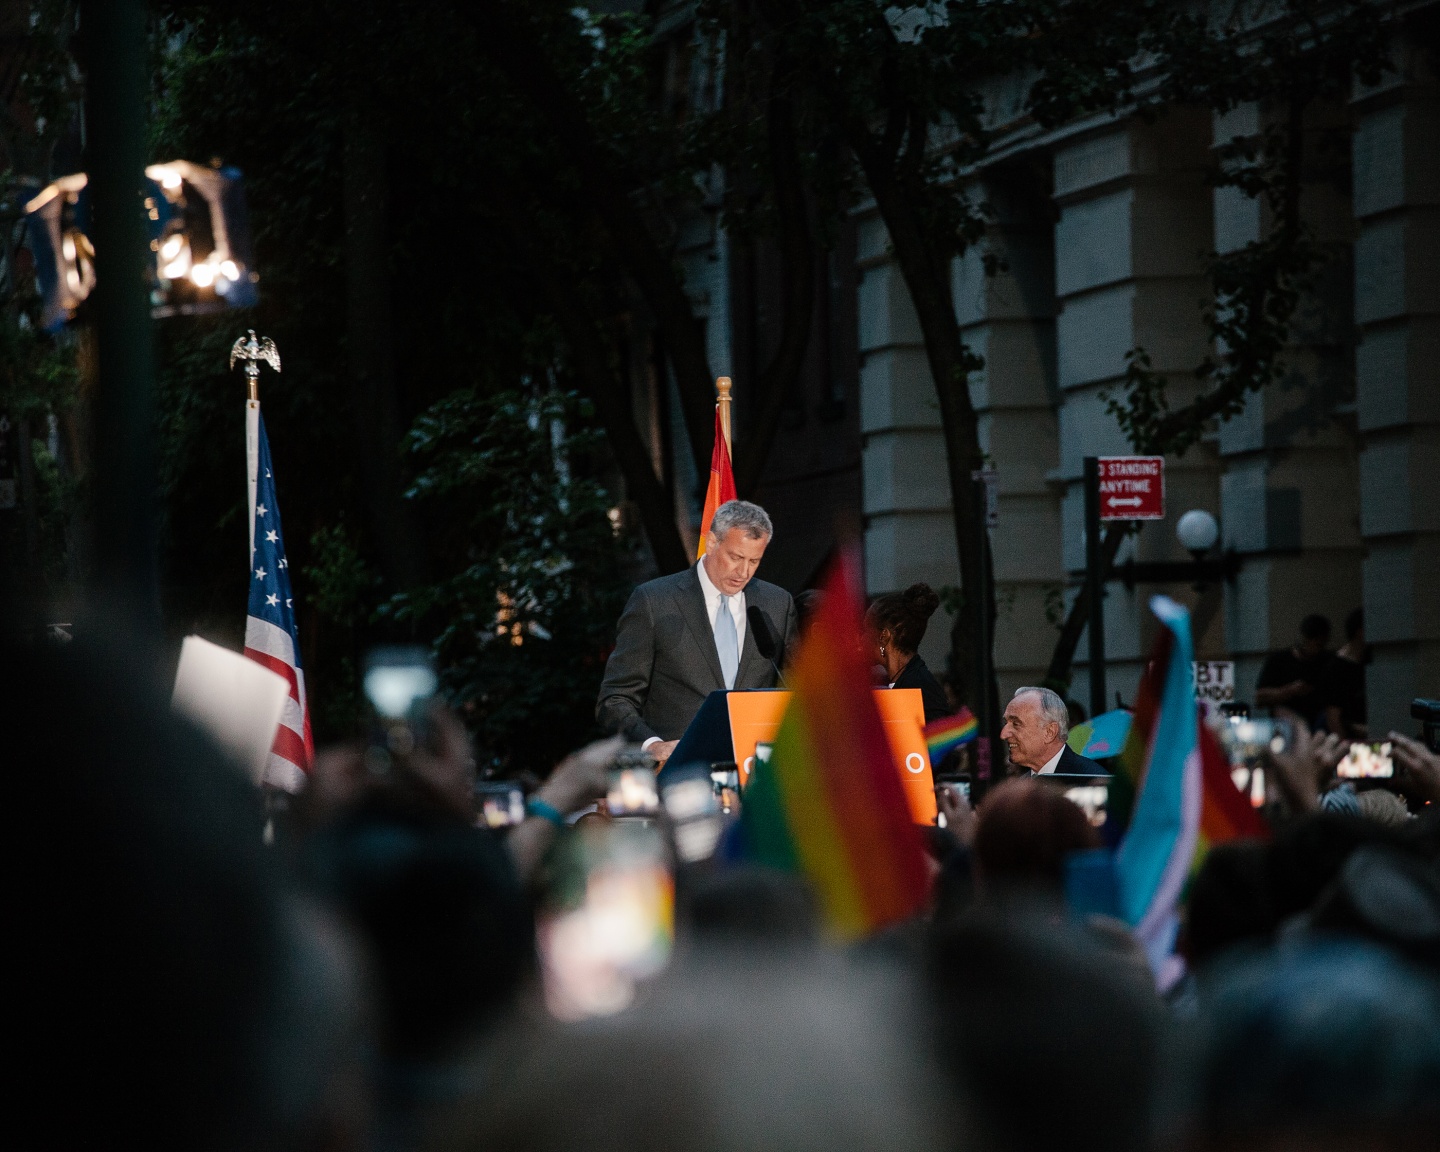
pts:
[1162, 756]
[270, 635]
[1186, 802]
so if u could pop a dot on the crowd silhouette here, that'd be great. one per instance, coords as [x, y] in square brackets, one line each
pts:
[375, 977]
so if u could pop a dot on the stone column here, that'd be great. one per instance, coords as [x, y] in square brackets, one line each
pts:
[909, 533]
[1397, 309]
[1134, 223]
[1009, 319]
[1288, 495]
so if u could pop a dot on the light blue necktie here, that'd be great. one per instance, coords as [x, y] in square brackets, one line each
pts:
[727, 643]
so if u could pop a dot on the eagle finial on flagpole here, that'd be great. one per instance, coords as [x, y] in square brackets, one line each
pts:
[251, 352]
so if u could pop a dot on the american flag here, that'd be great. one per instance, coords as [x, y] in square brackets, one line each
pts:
[270, 636]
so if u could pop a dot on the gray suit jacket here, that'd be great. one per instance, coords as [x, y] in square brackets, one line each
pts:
[665, 662]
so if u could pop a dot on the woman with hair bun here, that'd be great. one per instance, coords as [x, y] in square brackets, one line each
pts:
[897, 622]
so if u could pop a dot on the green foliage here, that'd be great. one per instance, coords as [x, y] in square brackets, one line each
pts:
[341, 583]
[537, 573]
[1054, 594]
[952, 598]
[1305, 52]
[38, 377]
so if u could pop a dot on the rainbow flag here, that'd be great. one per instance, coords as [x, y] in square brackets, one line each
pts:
[1185, 800]
[829, 804]
[1225, 812]
[722, 482]
[949, 732]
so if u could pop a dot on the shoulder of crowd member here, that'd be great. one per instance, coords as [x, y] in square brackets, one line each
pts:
[1245, 891]
[1023, 1005]
[1278, 669]
[165, 949]
[1332, 1044]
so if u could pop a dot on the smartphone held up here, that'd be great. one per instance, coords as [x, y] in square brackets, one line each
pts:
[1367, 762]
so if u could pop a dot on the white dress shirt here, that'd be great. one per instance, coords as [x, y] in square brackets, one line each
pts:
[712, 606]
[1049, 766]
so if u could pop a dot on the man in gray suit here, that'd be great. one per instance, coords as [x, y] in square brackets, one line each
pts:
[684, 636]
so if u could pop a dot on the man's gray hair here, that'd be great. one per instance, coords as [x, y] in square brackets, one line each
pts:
[1052, 708]
[753, 520]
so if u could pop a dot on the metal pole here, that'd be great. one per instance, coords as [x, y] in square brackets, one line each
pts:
[722, 398]
[980, 503]
[250, 352]
[113, 34]
[1095, 585]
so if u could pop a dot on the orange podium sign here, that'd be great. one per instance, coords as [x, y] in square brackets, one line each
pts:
[755, 718]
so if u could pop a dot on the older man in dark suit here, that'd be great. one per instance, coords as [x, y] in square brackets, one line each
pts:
[1036, 724]
[684, 636]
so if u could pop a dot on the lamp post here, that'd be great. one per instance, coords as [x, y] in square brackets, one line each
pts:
[1198, 534]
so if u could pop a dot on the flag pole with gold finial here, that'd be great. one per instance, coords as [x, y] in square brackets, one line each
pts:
[722, 395]
[251, 351]
[722, 479]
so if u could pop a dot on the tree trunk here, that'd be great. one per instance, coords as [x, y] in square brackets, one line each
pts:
[925, 266]
[126, 590]
[516, 51]
[1059, 674]
[797, 288]
[593, 365]
[371, 349]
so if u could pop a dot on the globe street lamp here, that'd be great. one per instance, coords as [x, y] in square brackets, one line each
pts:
[1198, 533]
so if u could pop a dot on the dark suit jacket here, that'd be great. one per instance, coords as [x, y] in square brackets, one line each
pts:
[917, 674]
[1073, 764]
[665, 662]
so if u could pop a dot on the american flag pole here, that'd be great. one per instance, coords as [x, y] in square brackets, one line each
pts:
[252, 455]
[271, 637]
[251, 352]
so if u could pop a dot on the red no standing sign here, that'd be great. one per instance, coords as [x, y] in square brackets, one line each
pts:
[1132, 487]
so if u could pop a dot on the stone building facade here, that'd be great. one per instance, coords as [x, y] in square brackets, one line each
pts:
[1325, 485]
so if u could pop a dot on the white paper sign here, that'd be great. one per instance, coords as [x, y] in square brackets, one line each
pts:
[1214, 681]
[236, 701]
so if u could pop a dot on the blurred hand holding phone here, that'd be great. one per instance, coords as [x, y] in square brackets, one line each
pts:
[632, 789]
[697, 817]
[1249, 745]
[1367, 762]
[608, 921]
[414, 737]
[499, 804]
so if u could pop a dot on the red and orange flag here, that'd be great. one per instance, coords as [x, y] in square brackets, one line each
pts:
[829, 804]
[722, 482]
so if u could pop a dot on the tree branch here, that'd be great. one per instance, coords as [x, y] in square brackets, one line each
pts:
[594, 365]
[516, 52]
[1062, 659]
[797, 278]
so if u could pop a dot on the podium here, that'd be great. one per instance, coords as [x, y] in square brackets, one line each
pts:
[730, 724]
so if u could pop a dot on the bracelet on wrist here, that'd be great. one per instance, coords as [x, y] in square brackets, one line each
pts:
[537, 807]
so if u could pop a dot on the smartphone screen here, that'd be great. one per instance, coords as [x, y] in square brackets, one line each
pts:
[1247, 743]
[397, 680]
[695, 813]
[399, 684]
[726, 778]
[632, 791]
[1091, 794]
[1093, 799]
[763, 752]
[1367, 762]
[499, 804]
[607, 922]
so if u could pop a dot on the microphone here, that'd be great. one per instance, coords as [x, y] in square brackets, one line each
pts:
[764, 638]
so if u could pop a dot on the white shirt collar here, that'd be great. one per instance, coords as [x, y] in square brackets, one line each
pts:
[712, 602]
[1049, 766]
